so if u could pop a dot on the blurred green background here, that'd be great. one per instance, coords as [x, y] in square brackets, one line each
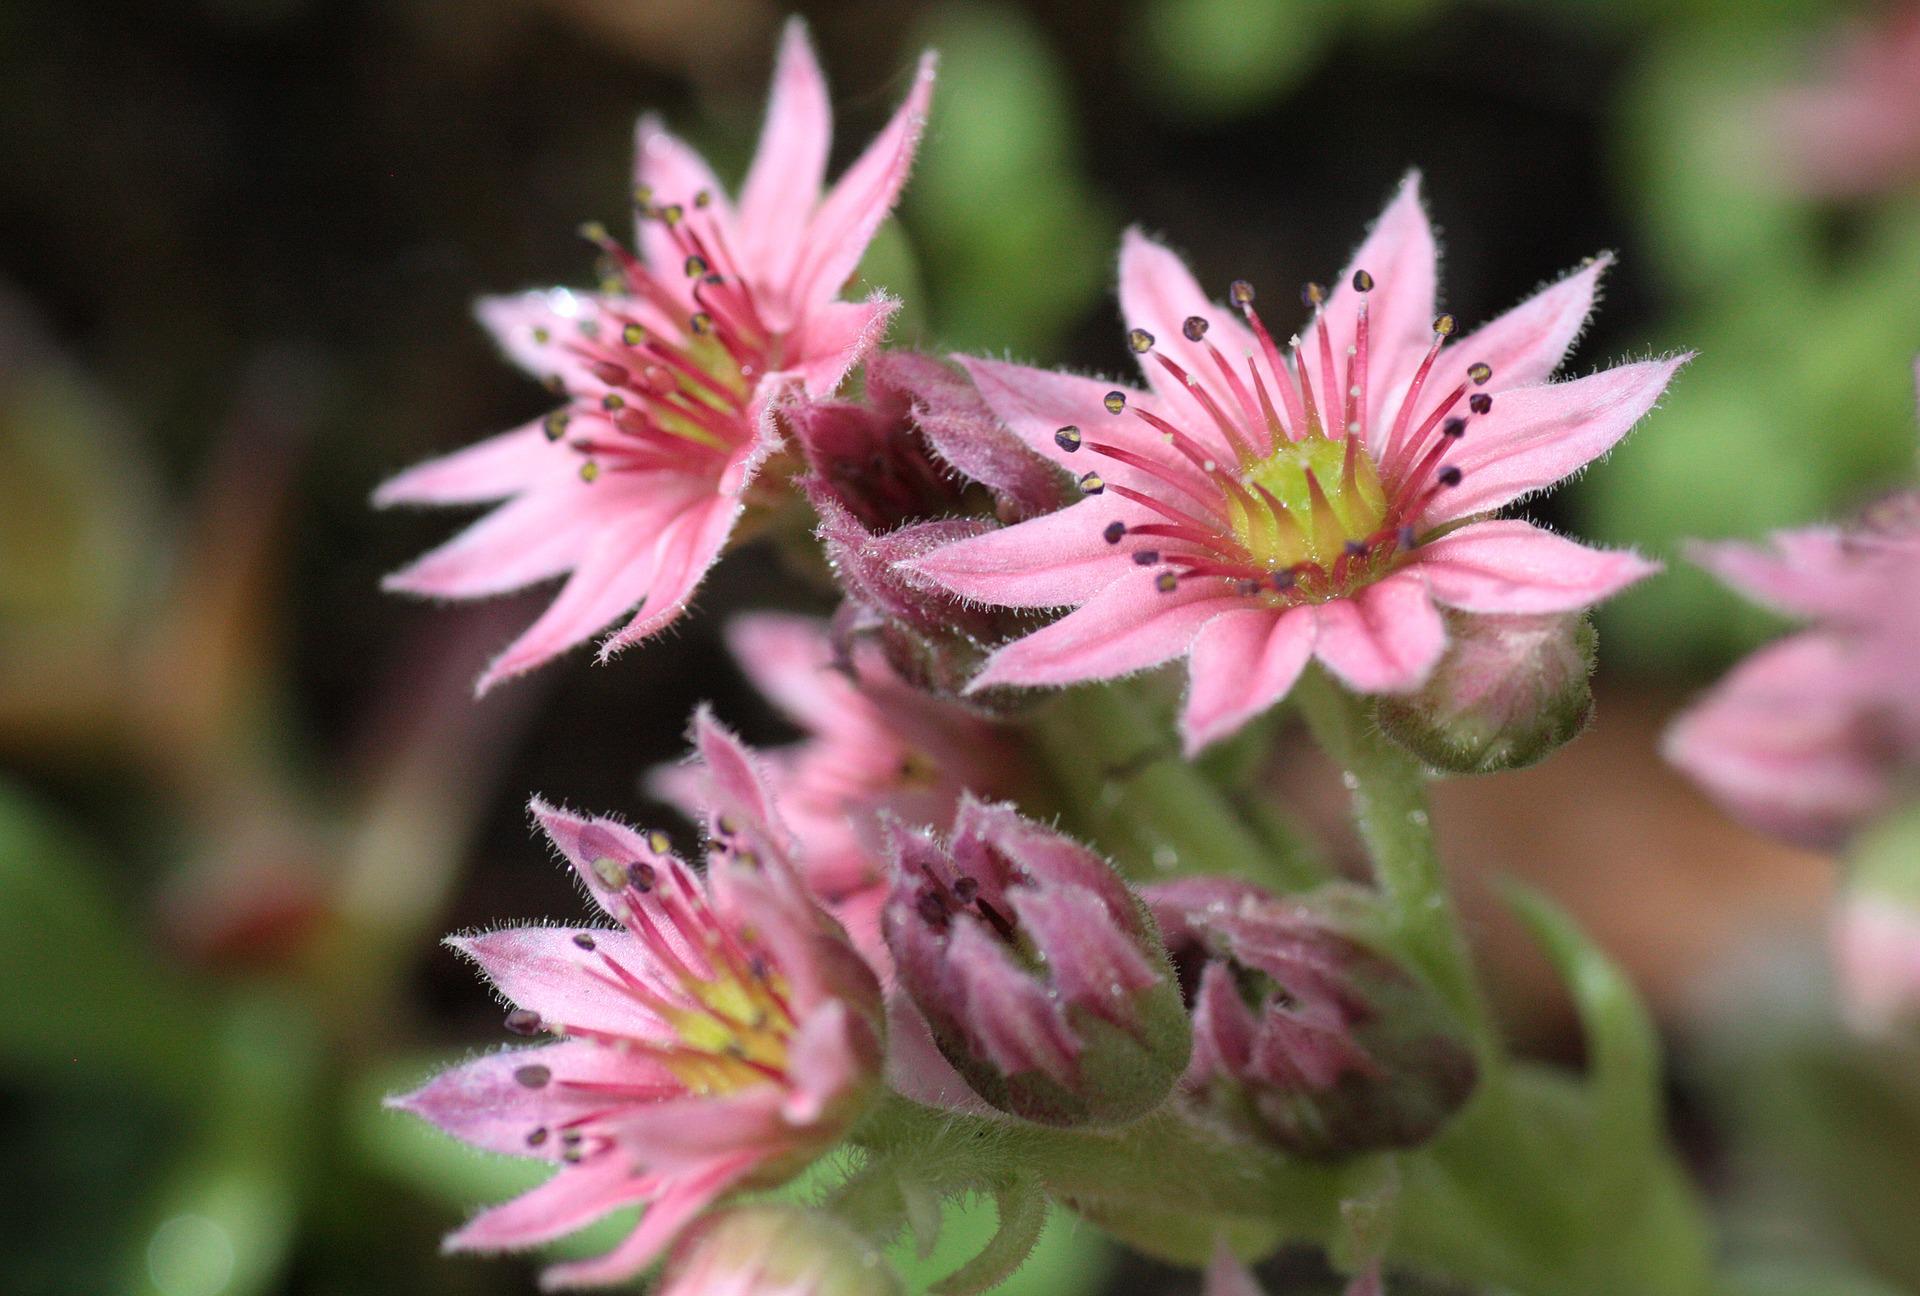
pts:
[241, 792]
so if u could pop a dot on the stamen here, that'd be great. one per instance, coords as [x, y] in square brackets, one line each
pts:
[1067, 438]
[1114, 531]
[1194, 327]
[1140, 341]
[524, 1021]
[1480, 372]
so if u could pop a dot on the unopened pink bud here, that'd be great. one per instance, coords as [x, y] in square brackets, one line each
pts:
[1510, 690]
[1040, 973]
[1303, 1035]
[776, 1251]
[1876, 928]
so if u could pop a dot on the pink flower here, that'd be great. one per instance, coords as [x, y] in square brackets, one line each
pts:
[1855, 130]
[1809, 737]
[718, 1036]
[672, 376]
[874, 746]
[1258, 507]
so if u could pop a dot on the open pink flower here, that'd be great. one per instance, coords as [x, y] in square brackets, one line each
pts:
[720, 1035]
[1856, 129]
[671, 376]
[874, 746]
[1263, 504]
[1810, 736]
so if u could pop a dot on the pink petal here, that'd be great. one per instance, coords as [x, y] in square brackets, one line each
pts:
[838, 235]
[783, 184]
[674, 173]
[1780, 744]
[1242, 663]
[822, 1063]
[1816, 571]
[584, 839]
[540, 968]
[736, 786]
[533, 538]
[1037, 403]
[917, 1070]
[1525, 345]
[536, 330]
[1055, 560]
[1159, 294]
[835, 337]
[1535, 436]
[1399, 253]
[694, 1131]
[686, 550]
[1514, 566]
[571, 1200]
[1385, 639]
[1129, 626]
[681, 1200]
[481, 473]
[483, 1103]
[790, 662]
[1010, 1017]
[1226, 1276]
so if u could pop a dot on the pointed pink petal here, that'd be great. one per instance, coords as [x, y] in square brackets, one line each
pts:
[1524, 346]
[789, 659]
[1815, 571]
[1535, 436]
[571, 1200]
[1243, 663]
[692, 1132]
[1399, 253]
[838, 235]
[1055, 560]
[1158, 293]
[687, 549]
[483, 1103]
[678, 1203]
[537, 328]
[1781, 744]
[540, 968]
[533, 538]
[1513, 566]
[481, 473]
[1094, 959]
[674, 173]
[736, 785]
[1129, 626]
[1385, 639]
[584, 839]
[835, 337]
[1226, 1276]
[822, 1063]
[917, 1070]
[1010, 1017]
[783, 184]
[1036, 403]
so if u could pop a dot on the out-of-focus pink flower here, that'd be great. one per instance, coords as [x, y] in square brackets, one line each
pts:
[1226, 1276]
[1855, 130]
[775, 1251]
[1811, 736]
[1039, 972]
[1263, 504]
[1876, 951]
[719, 1036]
[874, 746]
[673, 375]
[1301, 1034]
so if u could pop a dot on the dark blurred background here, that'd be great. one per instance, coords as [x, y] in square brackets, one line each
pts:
[241, 791]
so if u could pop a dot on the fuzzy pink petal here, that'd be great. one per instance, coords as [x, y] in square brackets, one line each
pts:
[1535, 436]
[522, 542]
[670, 1212]
[838, 235]
[1399, 253]
[1036, 403]
[686, 550]
[822, 1063]
[537, 328]
[583, 839]
[482, 1103]
[1226, 1276]
[1010, 1017]
[1159, 294]
[571, 1200]
[1055, 560]
[688, 1133]
[1243, 662]
[1778, 743]
[1129, 626]
[1513, 566]
[542, 969]
[837, 336]
[1524, 346]
[790, 661]
[783, 183]
[1816, 571]
[674, 173]
[481, 473]
[1385, 639]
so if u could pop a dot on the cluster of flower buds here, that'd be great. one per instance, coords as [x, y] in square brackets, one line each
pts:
[1039, 971]
[1303, 1035]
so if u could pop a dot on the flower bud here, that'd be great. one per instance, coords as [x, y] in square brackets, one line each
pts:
[1302, 1035]
[1039, 972]
[1876, 928]
[776, 1251]
[1509, 691]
